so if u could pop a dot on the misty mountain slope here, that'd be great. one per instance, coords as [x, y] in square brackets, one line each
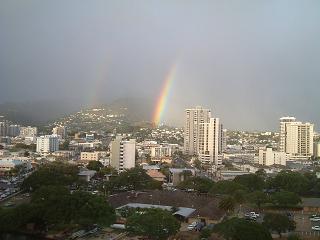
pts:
[36, 112]
[43, 112]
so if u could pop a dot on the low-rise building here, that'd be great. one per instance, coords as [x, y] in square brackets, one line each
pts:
[92, 156]
[268, 157]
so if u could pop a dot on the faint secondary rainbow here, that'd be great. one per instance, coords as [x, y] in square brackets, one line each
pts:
[163, 97]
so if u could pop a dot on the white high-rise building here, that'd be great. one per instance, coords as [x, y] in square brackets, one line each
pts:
[193, 118]
[283, 122]
[296, 138]
[123, 154]
[47, 144]
[59, 131]
[210, 142]
[28, 131]
[268, 157]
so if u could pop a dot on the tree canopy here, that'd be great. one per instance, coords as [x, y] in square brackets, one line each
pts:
[278, 222]
[133, 179]
[95, 165]
[55, 205]
[285, 198]
[153, 223]
[252, 182]
[289, 181]
[226, 187]
[240, 229]
[199, 184]
[51, 174]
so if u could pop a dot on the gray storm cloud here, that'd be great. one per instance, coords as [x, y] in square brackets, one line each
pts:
[249, 61]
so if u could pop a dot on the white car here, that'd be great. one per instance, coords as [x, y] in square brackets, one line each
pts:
[316, 228]
[192, 226]
[315, 219]
[255, 214]
[252, 215]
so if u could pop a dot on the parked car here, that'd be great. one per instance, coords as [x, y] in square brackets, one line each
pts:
[252, 214]
[316, 228]
[192, 226]
[315, 219]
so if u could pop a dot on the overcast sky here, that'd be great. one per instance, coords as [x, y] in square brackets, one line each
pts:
[249, 61]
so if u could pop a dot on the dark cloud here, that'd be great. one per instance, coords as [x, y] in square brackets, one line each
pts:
[251, 61]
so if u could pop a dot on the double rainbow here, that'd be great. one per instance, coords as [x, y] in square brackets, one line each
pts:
[163, 97]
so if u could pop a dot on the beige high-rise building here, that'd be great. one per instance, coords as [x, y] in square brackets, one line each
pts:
[296, 138]
[210, 142]
[283, 122]
[123, 154]
[193, 118]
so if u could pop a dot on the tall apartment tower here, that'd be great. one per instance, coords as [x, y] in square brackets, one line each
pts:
[296, 138]
[283, 123]
[193, 118]
[210, 142]
[47, 144]
[122, 154]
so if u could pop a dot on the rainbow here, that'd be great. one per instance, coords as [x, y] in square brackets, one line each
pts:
[163, 97]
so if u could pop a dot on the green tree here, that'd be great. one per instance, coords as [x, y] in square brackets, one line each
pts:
[289, 181]
[240, 229]
[240, 196]
[153, 223]
[51, 174]
[252, 182]
[133, 179]
[278, 222]
[227, 204]
[258, 198]
[285, 198]
[95, 165]
[261, 173]
[199, 184]
[225, 187]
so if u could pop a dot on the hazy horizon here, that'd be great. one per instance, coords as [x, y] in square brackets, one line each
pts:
[250, 62]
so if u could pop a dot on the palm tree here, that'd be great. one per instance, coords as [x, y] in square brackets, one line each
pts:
[227, 204]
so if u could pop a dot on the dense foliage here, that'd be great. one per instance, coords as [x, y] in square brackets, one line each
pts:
[54, 174]
[153, 223]
[95, 165]
[240, 229]
[132, 179]
[55, 206]
[202, 185]
[278, 222]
